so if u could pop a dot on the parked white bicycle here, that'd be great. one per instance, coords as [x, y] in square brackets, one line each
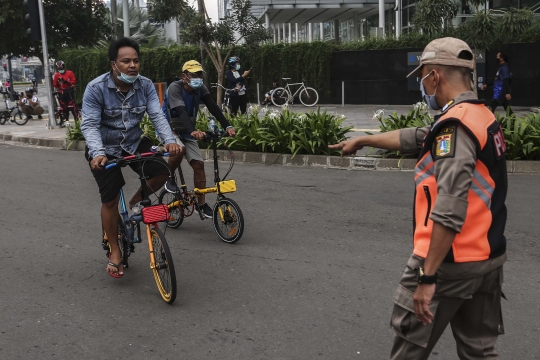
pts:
[283, 96]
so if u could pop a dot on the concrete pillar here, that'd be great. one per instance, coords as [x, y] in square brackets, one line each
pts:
[125, 15]
[267, 20]
[398, 18]
[355, 27]
[296, 31]
[284, 34]
[274, 28]
[310, 32]
[381, 15]
[321, 31]
[290, 33]
[336, 31]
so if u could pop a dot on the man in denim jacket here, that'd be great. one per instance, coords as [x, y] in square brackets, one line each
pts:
[113, 106]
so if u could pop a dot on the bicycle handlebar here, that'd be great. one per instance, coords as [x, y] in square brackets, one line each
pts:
[123, 161]
[209, 135]
[215, 85]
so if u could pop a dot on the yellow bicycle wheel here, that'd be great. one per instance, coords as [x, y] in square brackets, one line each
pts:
[162, 265]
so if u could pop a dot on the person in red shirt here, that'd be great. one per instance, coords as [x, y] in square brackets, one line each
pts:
[64, 81]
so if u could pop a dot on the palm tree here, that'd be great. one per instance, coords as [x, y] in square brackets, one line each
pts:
[145, 33]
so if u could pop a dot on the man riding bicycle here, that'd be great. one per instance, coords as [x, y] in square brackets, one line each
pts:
[181, 107]
[64, 81]
[113, 106]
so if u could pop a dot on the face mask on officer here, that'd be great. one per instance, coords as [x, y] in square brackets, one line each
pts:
[429, 99]
[238, 66]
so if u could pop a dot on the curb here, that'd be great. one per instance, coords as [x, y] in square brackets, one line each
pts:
[362, 163]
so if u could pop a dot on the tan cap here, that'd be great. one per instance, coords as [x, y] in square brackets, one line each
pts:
[445, 51]
[193, 66]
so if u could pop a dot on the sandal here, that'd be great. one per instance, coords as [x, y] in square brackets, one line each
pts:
[116, 275]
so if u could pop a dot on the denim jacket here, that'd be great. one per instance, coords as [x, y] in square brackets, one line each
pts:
[110, 120]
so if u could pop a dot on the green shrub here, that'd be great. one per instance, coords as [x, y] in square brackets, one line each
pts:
[522, 134]
[74, 133]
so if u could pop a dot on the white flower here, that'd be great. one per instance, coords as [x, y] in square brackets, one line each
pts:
[377, 115]
[422, 106]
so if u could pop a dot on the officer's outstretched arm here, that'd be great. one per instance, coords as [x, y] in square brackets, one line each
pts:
[388, 140]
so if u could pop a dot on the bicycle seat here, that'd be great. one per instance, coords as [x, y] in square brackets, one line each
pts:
[286, 78]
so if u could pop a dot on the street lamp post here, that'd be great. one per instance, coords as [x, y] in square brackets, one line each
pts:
[46, 64]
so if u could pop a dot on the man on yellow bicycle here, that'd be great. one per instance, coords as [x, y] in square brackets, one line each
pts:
[113, 106]
[181, 106]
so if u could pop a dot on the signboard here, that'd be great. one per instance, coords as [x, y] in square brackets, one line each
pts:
[413, 60]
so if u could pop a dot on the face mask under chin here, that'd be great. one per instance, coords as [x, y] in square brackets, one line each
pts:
[125, 77]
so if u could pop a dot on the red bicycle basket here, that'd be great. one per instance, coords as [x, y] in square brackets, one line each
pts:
[154, 214]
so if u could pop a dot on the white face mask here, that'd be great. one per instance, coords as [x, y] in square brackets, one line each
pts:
[429, 99]
[128, 79]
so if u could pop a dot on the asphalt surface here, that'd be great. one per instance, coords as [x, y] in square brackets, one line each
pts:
[312, 277]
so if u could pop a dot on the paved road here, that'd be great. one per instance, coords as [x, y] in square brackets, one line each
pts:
[312, 277]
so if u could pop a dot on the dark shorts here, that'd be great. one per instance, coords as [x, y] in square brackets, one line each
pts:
[111, 181]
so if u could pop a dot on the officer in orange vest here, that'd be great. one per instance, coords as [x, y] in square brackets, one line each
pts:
[455, 273]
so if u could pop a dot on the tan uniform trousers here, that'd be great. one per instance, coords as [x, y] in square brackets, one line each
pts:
[472, 307]
[29, 110]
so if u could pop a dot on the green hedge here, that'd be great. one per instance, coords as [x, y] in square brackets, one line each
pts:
[309, 61]
[522, 134]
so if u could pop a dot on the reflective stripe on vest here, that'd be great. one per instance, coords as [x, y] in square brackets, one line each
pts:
[475, 242]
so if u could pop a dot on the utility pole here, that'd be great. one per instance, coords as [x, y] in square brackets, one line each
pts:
[46, 68]
[10, 74]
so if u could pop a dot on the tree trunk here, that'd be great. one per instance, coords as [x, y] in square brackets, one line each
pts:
[219, 89]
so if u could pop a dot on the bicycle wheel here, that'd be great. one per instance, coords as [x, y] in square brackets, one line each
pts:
[58, 117]
[163, 266]
[176, 216]
[280, 96]
[309, 96]
[20, 118]
[3, 118]
[228, 220]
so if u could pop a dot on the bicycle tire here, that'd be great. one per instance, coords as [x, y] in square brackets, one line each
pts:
[3, 118]
[163, 269]
[20, 118]
[58, 117]
[228, 220]
[280, 96]
[123, 243]
[176, 215]
[309, 96]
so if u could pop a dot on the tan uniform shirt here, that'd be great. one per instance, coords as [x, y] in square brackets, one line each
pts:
[454, 177]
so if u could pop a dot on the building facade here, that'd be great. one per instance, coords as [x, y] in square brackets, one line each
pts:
[348, 20]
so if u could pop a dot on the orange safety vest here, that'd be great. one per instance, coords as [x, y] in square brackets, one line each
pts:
[482, 234]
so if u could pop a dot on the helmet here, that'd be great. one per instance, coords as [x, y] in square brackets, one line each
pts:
[233, 60]
[60, 65]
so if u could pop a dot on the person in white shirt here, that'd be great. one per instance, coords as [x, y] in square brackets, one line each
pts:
[29, 104]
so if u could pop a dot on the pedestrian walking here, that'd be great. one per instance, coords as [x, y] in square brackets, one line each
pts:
[501, 85]
[29, 103]
[236, 80]
[455, 273]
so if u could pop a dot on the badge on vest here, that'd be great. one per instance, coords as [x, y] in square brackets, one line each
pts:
[445, 142]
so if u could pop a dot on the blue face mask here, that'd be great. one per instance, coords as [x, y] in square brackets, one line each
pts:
[125, 77]
[429, 99]
[195, 83]
[238, 67]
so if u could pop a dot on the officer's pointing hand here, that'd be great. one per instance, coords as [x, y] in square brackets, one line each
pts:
[347, 147]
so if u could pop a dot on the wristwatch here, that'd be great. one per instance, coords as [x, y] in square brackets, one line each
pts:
[426, 279]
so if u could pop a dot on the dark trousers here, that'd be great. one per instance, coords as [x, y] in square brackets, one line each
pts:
[505, 104]
[239, 102]
[66, 98]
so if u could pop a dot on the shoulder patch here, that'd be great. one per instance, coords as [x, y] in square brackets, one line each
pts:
[445, 142]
